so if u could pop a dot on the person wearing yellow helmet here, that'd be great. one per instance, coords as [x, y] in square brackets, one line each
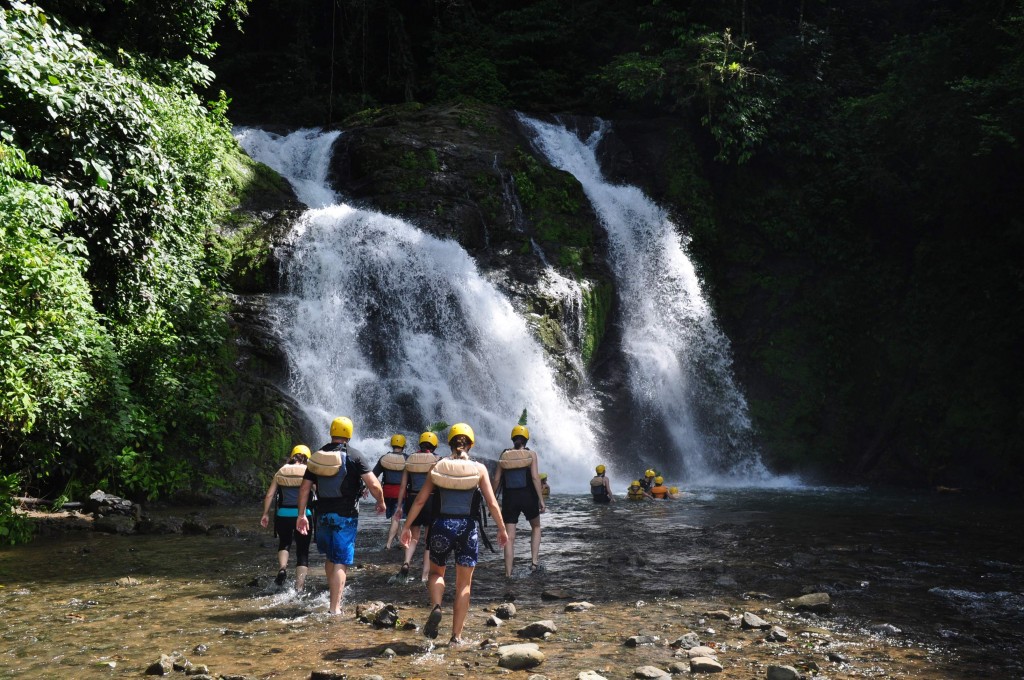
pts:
[389, 469]
[601, 487]
[417, 467]
[284, 489]
[340, 473]
[518, 478]
[545, 490]
[647, 481]
[461, 485]
[673, 493]
[636, 492]
[659, 490]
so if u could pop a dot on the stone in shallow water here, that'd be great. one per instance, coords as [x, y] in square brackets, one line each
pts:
[687, 641]
[783, 673]
[578, 606]
[640, 640]
[590, 675]
[704, 664]
[649, 673]
[753, 621]
[537, 629]
[814, 602]
[776, 634]
[521, 656]
[505, 610]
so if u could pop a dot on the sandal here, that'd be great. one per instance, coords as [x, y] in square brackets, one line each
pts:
[281, 576]
[405, 570]
[433, 621]
[534, 566]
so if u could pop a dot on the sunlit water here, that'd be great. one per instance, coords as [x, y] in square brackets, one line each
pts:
[924, 586]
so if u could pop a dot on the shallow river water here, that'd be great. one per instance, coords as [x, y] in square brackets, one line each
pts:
[922, 586]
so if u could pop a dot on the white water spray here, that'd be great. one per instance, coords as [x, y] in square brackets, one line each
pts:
[680, 366]
[396, 328]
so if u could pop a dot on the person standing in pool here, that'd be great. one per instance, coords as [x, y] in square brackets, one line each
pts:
[519, 481]
[417, 468]
[285, 489]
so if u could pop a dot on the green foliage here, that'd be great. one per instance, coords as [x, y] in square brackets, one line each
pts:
[14, 527]
[522, 418]
[597, 305]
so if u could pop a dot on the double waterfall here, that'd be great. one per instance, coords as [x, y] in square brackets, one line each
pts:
[398, 329]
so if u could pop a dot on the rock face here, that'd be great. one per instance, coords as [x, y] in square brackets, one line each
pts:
[469, 173]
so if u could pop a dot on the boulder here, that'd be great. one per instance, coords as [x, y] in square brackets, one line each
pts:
[818, 603]
[520, 657]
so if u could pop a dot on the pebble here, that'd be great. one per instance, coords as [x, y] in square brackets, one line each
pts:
[705, 664]
[649, 673]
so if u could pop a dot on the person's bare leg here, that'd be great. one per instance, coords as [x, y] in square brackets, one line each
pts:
[435, 584]
[393, 531]
[411, 550]
[282, 559]
[336, 574]
[300, 578]
[535, 540]
[463, 585]
[426, 564]
[510, 548]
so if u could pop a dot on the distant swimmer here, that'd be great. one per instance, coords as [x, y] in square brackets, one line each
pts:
[659, 490]
[648, 480]
[601, 487]
[519, 481]
[636, 492]
[545, 490]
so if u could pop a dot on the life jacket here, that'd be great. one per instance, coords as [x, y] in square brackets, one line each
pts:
[597, 488]
[330, 470]
[290, 474]
[660, 491]
[457, 480]
[418, 466]
[515, 465]
[393, 464]
[635, 493]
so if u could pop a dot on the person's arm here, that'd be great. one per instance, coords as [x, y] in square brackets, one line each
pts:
[497, 478]
[375, 489]
[302, 524]
[401, 492]
[535, 473]
[267, 500]
[492, 505]
[608, 488]
[414, 511]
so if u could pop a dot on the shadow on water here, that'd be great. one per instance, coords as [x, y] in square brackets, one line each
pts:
[930, 572]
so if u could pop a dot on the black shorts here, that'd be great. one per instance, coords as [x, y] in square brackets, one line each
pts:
[426, 516]
[285, 527]
[515, 501]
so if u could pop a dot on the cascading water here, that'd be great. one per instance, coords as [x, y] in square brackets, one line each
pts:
[396, 328]
[680, 368]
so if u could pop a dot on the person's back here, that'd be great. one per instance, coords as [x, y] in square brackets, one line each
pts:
[659, 490]
[600, 487]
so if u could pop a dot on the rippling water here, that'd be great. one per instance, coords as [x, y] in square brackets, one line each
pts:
[922, 585]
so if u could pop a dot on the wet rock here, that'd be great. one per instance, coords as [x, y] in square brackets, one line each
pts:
[776, 634]
[538, 629]
[387, 617]
[704, 664]
[640, 640]
[371, 677]
[505, 610]
[366, 611]
[578, 606]
[537, 676]
[754, 595]
[520, 657]
[127, 581]
[100, 502]
[837, 658]
[783, 673]
[160, 525]
[686, 641]
[718, 614]
[818, 603]
[115, 524]
[223, 530]
[494, 621]
[163, 666]
[649, 673]
[237, 677]
[195, 525]
[590, 675]
[182, 665]
[201, 676]
[231, 632]
[327, 675]
[677, 667]
[199, 650]
[753, 621]
[697, 652]
[198, 670]
[555, 594]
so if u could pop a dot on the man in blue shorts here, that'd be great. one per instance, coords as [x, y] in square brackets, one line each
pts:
[339, 473]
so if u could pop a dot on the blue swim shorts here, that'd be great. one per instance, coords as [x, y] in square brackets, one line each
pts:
[336, 537]
[460, 535]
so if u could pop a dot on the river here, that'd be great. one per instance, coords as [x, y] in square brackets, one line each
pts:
[922, 585]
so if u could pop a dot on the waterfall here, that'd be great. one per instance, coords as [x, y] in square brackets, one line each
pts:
[397, 329]
[679, 361]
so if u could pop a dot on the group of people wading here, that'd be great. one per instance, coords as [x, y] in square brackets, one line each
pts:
[444, 494]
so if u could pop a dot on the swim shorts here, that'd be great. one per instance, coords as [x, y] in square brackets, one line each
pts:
[458, 535]
[336, 537]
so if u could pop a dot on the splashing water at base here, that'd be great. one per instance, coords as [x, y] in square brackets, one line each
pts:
[398, 329]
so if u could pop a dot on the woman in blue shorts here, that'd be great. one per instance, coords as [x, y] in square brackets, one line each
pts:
[461, 484]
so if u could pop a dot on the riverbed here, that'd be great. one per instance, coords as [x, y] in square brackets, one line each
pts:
[921, 585]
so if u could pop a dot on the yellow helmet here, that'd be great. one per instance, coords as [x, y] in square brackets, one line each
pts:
[520, 431]
[398, 440]
[674, 489]
[341, 427]
[301, 449]
[461, 428]
[635, 482]
[543, 475]
[659, 480]
[599, 469]
[430, 438]
[650, 473]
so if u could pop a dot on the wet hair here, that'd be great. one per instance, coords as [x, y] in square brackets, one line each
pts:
[519, 441]
[297, 458]
[461, 445]
[427, 447]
